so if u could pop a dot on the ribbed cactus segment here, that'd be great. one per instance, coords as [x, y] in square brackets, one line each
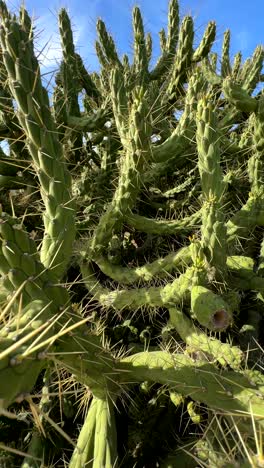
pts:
[100, 54]
[249, 216]
[255, 162]
[163, 39]
[137, 153]
[20, 259]
[209, 309]
[197, 341]
[225, 59]
[181, 137]
[119, 99]
[251, 71]
[208, 152]
[59, 110]
[84, 451]
[160, 267]
[69, 69]
[168, 44]
[238, 96]
[70, 81]
[206, 43]
[107, 46]
[228, 391]
[85, 78]
[140, 63]
[18, 372]
[173, 26]
[172, 293]
[213, 186]
[153, 226]
[148, 41]
[46, 151]
[96, 445]
[183, 58]
[213, 61]
[236, 65]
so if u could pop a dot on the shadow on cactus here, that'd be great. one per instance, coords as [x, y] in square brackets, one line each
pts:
[132, 279]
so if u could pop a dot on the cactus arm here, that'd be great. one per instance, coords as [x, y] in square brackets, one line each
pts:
[140, 63]
[168, 45]
[148, 46]
[83, 454]
[249, 78]
[177, 142]
[165, 227]
[107, 46]
[213, 61]
[96, 444]
[236, 65]
[129, 183]
[206, 43]
[251, 73]
[213, 228]
[19, 374]
[182, 60]
[148, 272]
[86, 79]
[225, 60]
[88, 123]
[172, 293]
[105, 449]
[69, 64]
[181, 138]
[119, 99]
[251, 214]
[255, 162]
[196, 340]
[228, 391]
[243, 276]
[46, 151]
[162, 40]
[41, 303]
[238, 96]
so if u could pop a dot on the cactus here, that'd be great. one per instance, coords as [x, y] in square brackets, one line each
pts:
[150, 209]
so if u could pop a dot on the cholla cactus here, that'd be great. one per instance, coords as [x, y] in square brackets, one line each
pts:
[142, 208]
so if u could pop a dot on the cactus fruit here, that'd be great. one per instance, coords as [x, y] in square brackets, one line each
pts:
[144, 218]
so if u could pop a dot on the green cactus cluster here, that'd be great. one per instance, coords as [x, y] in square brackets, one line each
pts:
[131, 251]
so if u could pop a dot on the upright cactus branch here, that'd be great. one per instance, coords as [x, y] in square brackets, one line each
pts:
[213, 229]
[168, 44]
[225, 60]
[140, 64]
[43, 142]
[206, 43]
[183, 58]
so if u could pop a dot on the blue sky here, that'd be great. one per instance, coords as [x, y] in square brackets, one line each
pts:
[243, 17]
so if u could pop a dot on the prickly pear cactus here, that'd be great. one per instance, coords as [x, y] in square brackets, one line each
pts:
[131, 251]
